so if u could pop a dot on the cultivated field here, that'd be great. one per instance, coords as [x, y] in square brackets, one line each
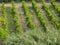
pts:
[18, 18]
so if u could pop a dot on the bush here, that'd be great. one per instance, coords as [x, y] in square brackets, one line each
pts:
[34, 37]
[3, 33]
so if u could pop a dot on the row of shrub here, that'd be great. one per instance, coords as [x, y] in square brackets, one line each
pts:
[39, 15]
[30, 23]
[50, 15]
[4, 27]
[16, 19]
[56, 7]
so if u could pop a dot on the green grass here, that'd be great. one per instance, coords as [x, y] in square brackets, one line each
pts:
[34, 37]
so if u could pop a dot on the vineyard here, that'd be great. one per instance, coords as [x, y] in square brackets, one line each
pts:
[30, 23]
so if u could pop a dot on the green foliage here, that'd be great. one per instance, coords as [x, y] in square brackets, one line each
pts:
[4, 28]
[56, 7]
[34, 36]
[40, 16]
[3, 10]
[15, 18]
[30, 23]
[50, 15]
[4, 16]
[3, 33]
[1, 19]
[52, 0]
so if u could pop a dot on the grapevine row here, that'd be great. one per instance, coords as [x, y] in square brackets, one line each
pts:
[30, 23]
[50, 15]
[56, 7]
[15, 19]
[39, 15]
[4, 28]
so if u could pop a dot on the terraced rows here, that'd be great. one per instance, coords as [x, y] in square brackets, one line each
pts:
[50, 15]
[24, 16]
